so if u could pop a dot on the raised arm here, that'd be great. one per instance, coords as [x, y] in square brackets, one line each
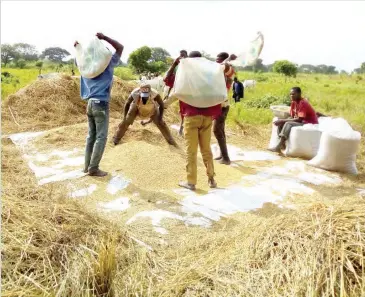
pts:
[118, 46]
[172, 67]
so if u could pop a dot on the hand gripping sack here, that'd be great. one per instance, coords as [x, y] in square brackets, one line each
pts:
[274, 140]
[200, 83]
[251, 54]
[93, 59]
[303, 141]
[337, 151]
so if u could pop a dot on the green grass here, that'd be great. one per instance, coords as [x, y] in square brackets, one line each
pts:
[335, 95]
[124, 73]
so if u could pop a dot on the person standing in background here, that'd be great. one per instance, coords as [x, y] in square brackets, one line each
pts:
[219, 123]
[96, 91]
[238, 90]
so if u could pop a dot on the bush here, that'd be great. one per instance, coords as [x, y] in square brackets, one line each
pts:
[261, 78]
[8, 78]
[267, 101]
[285, 67]
[21, 63]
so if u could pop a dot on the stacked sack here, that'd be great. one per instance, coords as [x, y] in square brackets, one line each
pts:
[338, 147]
[331, 145]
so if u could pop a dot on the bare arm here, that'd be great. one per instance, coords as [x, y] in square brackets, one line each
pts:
[127, 105]
[158, 99]
[118, 46]
[172, 67]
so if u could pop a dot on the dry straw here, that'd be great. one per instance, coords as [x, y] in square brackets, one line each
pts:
[55, 246]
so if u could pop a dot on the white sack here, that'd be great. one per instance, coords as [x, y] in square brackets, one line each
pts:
[337, 151]
[156, 83]
[253, 50]
[200, 83]
[303, 141]
[93, 58]
[274, 140]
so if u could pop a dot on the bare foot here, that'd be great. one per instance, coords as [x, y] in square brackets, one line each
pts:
[212, 183]
[98, 173]
[188, 186]
[225, 161]
[218, 158]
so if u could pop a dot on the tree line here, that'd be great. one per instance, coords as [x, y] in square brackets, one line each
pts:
[153, 60]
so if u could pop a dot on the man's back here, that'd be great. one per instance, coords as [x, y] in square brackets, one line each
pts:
[100, 86]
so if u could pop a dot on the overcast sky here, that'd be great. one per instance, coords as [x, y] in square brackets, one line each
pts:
[314, 32]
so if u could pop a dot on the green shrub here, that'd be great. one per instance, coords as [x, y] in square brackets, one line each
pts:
[266, 101]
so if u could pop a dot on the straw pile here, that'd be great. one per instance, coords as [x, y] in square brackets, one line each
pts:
[54, 102]
[313, 252]
[54, 247]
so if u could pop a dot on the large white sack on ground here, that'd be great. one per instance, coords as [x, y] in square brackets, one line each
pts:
[274, 140]
[337, 152]
[93, 58]
[303, 141]
[328, 124]
[200, 83]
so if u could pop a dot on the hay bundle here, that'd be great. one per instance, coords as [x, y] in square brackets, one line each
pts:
[54, 102]
[52, 246]
[46, 103]
[303, 253]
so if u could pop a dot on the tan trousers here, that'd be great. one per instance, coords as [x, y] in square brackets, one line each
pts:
[197, 132]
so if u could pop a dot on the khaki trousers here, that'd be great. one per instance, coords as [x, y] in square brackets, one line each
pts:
[197, 132]
[131, 116]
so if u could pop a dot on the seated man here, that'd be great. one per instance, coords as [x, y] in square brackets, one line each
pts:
[301, 113]
[146, 103]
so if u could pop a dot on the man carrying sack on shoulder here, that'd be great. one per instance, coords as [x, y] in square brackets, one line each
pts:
[97, 93]
[197, 133]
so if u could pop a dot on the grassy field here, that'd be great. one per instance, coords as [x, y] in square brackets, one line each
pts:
[335, 95]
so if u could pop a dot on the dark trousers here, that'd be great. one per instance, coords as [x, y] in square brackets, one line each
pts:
[220, 133]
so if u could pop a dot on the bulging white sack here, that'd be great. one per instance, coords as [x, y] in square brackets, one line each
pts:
[274, 140]
[303, 141]
[93, 58]
[337, 151]
[200, 83]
